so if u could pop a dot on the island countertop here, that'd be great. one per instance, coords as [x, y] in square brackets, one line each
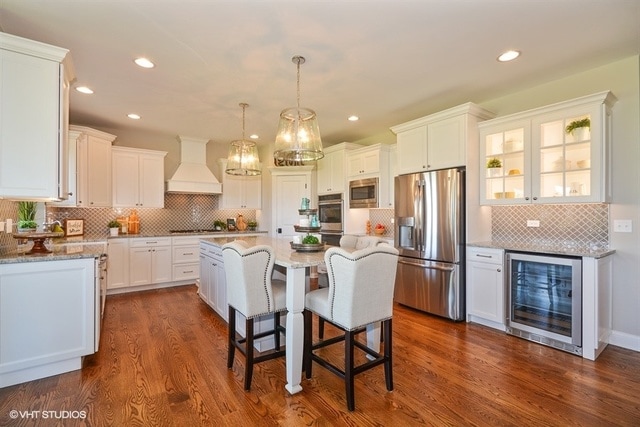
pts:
[58, 252]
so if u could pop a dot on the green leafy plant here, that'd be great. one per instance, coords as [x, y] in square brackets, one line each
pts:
[27, 215]
[494, 163]
[583, 123]
[113, 224]
[252, 224]
[310, 240]
[221, 224]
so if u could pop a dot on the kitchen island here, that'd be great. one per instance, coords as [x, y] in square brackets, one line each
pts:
[49, 311]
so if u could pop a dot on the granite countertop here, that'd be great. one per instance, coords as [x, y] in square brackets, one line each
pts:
[191, 233]
[570, 249]
[58, 252]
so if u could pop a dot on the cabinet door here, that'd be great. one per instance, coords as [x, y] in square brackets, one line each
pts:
[446, 143]
[125, 179]
[161, 268]
[363, 163]
[140, 266]
[252, 192]
[151, 181]
[330, 173]
[486, 291]
[205, 279]
[117, 263]
[412, 150]
[567, 165]
[29, 126]
[220, 289]
[98, 172]
[510, 145]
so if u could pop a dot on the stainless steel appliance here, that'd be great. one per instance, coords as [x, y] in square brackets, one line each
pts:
[363, 193]
[429, 233]
[330, 214]
[545, 300]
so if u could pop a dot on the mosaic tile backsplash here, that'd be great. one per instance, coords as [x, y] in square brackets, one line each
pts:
[573, 225]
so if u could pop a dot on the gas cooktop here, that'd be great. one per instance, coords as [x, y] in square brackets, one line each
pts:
[194, 231]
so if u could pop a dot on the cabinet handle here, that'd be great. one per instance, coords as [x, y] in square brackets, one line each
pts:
[484, 256]
[188, 253]
[187, 271]
[499, 270]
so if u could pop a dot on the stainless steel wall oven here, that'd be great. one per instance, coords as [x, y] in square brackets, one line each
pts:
[545, 299]
[330, 214]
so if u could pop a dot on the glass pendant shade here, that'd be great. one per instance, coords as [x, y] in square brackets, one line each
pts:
[243, 158]
[298, 137]
[243, 155]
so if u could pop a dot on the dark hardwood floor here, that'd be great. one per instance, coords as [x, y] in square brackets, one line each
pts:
[162, 362]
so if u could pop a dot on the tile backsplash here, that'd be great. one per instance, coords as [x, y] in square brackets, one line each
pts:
[571, 225]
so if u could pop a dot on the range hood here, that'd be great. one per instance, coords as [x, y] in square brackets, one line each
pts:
[193, 175]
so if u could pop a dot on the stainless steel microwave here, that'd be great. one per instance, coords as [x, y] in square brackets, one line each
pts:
[363, 193]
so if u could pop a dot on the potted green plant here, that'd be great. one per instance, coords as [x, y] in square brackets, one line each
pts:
[114, 227]
[494, 167]
[219, 225]
[252, 225]
[26, 217]
[579, 129]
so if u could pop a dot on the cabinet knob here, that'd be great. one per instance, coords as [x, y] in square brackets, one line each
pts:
[535, 198]
[499, 270]
[526, 198]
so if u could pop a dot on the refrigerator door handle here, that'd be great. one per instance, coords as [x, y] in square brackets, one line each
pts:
[433, 267]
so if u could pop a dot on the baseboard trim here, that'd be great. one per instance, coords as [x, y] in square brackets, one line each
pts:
[624, 340]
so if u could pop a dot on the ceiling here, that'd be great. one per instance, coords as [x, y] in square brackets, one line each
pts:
[387, 61]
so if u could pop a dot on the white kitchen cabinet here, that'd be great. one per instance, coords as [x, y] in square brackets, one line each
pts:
[240, 192]
[47, 318]
[213, 282]
[438, 141]
[149, 261]
[138, 177]
[486, 302]
[117, 263]
[597, 300]
[365, 161]
[34, 117]
[185, 258]
[541, 162]
[331, 169]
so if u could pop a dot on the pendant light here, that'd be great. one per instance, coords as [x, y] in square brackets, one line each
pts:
[243, 155]
[298, 138]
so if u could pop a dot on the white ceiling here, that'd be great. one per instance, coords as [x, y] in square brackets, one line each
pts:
[387, 61]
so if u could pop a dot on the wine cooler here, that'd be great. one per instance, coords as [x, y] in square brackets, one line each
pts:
[545, 300]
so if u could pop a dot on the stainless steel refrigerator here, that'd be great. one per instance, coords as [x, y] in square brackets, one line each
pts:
[429, 233]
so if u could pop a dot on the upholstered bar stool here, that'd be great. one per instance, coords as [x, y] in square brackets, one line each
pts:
[252, 293]
[348, 241]
[360, 293]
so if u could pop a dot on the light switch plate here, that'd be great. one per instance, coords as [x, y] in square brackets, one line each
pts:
[622, 225]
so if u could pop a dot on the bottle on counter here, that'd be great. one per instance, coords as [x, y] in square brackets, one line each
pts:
[368, 227]
[124, 224]
[134, 223]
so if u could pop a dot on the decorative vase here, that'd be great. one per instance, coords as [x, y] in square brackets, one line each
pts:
[494, 172]
[581, 134]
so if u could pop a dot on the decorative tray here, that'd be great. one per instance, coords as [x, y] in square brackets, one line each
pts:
[307, 247]
[307, 211]
[300, 228]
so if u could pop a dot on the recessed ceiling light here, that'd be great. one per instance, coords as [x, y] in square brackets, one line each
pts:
[144, 63]
[353, 118]
[84, 89]
[133, 116]
[509, 55]
[254, 136]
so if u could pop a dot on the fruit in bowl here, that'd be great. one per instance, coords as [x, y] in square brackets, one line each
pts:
[379, 230]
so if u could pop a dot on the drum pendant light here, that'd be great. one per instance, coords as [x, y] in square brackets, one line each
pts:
[243, 155]
[298, 138]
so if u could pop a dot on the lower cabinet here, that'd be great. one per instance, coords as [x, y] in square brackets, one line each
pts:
[47, 318]
[486, 303]
[149, 261]
[117, 263]
[185, 258]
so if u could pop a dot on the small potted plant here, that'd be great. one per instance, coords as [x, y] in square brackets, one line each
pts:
[579, 129]
[26, 217]
[219, 225]
[114, 227]
[494, 167]
[252, 225]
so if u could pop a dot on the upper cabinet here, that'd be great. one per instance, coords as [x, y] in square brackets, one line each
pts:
[539, 158]
[437, 141]
[137, 177]
[34, 117]
[373, 161]
[331, 169]
[239, 191]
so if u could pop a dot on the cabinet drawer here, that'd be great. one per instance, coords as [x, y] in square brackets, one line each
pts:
[182, 254]
[151, 241]
[487, 255]
[186, 271]
[211, 251]
[187, 240]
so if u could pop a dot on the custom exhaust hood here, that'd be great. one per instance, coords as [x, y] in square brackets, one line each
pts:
[193, 175]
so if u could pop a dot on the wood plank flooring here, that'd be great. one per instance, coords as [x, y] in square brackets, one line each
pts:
[162, 362]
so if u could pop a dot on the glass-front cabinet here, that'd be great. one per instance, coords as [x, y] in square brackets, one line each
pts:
[554, 154]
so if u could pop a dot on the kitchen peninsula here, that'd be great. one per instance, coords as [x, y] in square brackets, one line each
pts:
[50, 311]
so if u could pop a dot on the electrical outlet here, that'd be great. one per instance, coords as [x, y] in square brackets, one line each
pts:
[533, 223]
[622, 226]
